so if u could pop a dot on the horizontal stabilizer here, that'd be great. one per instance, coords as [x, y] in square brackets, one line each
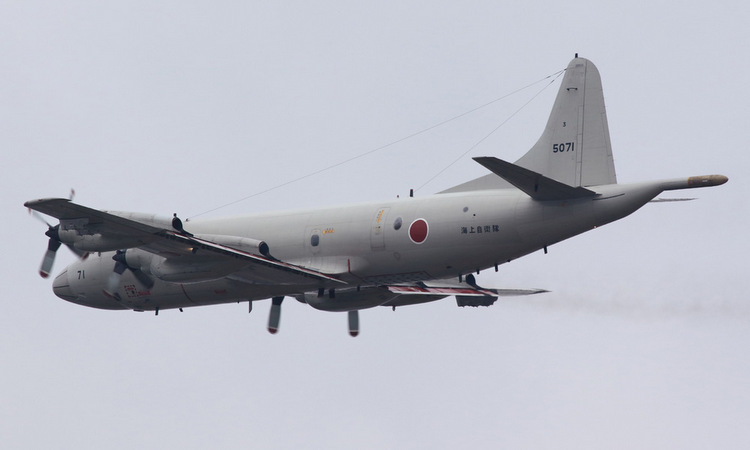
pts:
[536, 185]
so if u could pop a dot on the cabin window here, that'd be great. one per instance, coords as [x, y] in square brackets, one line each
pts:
[315, 240]
[397, 223]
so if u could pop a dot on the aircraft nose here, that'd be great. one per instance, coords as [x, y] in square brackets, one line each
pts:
[61, 287]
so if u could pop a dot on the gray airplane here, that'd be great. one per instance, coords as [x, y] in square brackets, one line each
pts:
[390, 253]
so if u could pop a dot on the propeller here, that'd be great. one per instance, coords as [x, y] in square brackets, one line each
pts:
[49, 257]
[120, 266]
[53, 233]
[114, 278]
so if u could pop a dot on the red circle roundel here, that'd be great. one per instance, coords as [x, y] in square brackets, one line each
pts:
[418, 231]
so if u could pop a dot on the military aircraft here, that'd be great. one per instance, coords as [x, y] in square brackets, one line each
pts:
[347, 258]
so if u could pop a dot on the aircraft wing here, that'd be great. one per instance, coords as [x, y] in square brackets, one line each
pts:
[65, 210]
[274, 269]
[129, 230]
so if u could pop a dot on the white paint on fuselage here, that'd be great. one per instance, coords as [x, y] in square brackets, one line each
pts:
[467, 232]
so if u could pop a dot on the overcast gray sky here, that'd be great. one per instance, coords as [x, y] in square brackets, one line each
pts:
[175, 106]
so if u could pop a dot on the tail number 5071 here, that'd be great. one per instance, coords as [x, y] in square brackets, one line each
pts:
[564, 147]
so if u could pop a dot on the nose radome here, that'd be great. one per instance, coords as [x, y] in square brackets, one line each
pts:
[61, 287]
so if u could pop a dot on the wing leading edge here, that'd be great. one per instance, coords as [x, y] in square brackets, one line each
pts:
[192, 244]
[87, 227]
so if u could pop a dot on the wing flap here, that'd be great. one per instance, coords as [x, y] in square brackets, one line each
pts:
[463, 291]
[466, 295]
[446, 291]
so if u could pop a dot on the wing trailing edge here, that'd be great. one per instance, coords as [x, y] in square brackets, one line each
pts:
[466, 295]
[464, 291]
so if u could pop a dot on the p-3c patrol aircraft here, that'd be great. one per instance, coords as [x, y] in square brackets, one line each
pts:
[391, 253]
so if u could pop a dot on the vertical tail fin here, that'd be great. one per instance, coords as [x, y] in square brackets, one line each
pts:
[574, 148]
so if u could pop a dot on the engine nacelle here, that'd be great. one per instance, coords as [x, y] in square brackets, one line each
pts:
[139, 259]
[187, 269]
[349, 299]
[96, 242]
[248, 245]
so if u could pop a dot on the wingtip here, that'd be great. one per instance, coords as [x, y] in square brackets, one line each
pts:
[30, 203]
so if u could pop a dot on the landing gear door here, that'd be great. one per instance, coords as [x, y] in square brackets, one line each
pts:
[377, 231]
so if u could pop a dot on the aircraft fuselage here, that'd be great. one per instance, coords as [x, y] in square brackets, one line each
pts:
[370, 244]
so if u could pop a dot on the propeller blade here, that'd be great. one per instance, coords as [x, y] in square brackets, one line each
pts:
[142, 277]
[49, 257]
[39, 217]
[354, 323]
[113, 282]
[275, 316]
